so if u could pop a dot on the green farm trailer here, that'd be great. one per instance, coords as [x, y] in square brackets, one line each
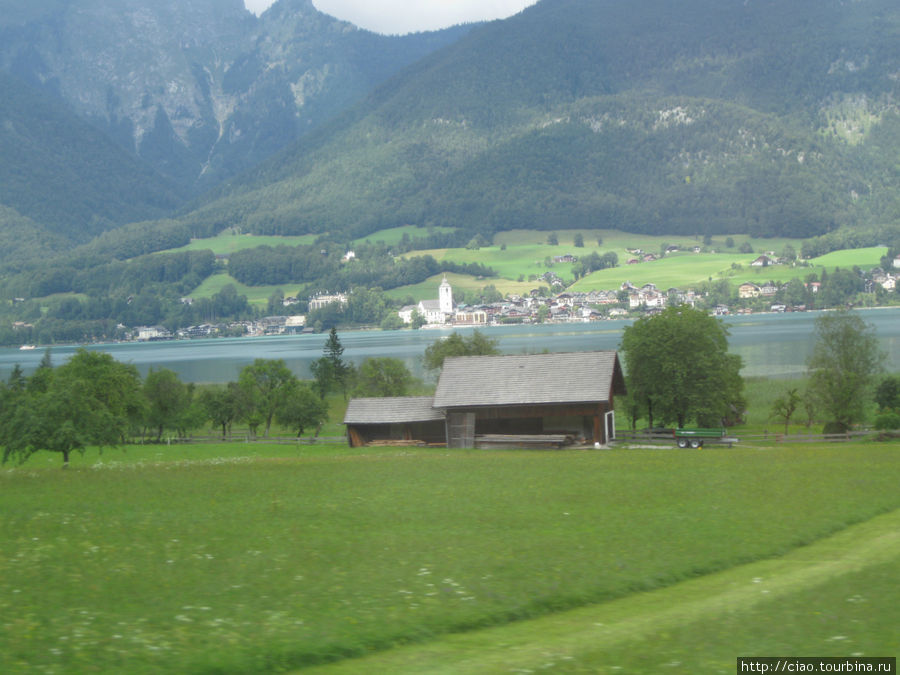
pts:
[694, 438]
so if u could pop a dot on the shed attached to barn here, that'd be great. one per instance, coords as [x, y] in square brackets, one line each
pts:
[406, 418]
[488, 397]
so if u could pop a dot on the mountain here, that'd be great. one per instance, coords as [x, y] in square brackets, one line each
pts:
[62, 181]
[700, 116]
[199, 89]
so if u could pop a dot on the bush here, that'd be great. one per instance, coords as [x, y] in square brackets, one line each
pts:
[835, 428]
[887, 421]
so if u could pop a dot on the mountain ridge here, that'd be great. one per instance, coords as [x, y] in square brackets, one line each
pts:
[719, 117]
[200, 89]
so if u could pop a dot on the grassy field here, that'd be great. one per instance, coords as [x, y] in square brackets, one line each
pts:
[526, 251]
[256, 295]
[395, 234]
[227, 242]
[240, 558]
[836, 598]
[428, 289]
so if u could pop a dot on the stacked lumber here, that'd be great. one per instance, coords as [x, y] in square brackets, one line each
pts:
[523, 440]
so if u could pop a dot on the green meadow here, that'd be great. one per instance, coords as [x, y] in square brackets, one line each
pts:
[256, 295]
[519, 255]
[227, 242]
[393, 235]
[258, 558]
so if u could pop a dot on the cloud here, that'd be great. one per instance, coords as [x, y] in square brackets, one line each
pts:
[406, 16]
[258, 6]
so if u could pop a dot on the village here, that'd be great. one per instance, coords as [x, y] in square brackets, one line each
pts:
[536, 307]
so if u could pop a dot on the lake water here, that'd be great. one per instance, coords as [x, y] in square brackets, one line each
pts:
[775, 345]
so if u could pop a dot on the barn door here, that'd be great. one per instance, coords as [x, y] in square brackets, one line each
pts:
[461, 430]
[610, 426]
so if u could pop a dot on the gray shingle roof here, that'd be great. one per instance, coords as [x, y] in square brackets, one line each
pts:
[528, 379]
[391, 410]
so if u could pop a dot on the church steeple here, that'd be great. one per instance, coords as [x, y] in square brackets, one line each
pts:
[445, 296]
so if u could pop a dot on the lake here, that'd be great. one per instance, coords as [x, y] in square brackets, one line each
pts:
[773, 345]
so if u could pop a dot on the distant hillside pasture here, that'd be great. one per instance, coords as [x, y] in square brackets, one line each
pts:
[161, 559]
[513, 262]
[256, 295]
[617, 240]
[393, 235]
[226, 244]
[428, 289]
[679, 270]
[865, 258]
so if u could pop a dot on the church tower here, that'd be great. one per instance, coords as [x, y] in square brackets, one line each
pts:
[445, 297]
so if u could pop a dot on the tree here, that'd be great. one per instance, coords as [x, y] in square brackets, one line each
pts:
[680, 369]
[552, 239]
[579, 240]
[168, 401]
[477, 344]
[391, 321]
[418, 320]
[843, 366]
[383, 376]
[331, 371]
[340, 369]
[92, 400]
[265, 383]
[301, 409]
[224, 405]
[784, 406]
[887, 395]
[275, 305]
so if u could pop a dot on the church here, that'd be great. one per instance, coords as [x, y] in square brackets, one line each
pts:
[438, 311]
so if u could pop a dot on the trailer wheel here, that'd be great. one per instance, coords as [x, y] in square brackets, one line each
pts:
[682, 442]
[696, 443]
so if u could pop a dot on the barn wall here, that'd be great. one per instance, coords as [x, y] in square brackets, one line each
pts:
[579, 419]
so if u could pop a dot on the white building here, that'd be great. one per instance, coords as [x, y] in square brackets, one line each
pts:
[323, 300]
[435, 312]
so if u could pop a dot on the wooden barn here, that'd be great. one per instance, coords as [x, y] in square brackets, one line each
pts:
[493, 401]
[407, 418]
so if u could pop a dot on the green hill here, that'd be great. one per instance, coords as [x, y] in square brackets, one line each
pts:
[703, 116]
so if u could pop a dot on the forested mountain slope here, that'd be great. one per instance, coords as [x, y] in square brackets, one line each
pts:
[762, 116]
[62, 181]
[199, 89]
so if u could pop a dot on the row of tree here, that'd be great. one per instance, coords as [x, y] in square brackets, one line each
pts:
[94, 400]
[680, 371]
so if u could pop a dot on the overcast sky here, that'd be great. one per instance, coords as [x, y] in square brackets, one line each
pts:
[406, 16]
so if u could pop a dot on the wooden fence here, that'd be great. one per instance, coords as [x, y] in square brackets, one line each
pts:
[247, 438]
[665, 437]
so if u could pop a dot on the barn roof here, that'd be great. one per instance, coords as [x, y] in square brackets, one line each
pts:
[391, 410]
[529, 379]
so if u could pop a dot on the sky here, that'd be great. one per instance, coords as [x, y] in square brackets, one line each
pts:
[407, 16]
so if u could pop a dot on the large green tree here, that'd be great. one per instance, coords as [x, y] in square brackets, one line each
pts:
[476, 344]
[92, 400]
[266, 382]
[843, 368]
[383, 376]
[169, 402]
[301, 409]
[224, 405]
[679, 367]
